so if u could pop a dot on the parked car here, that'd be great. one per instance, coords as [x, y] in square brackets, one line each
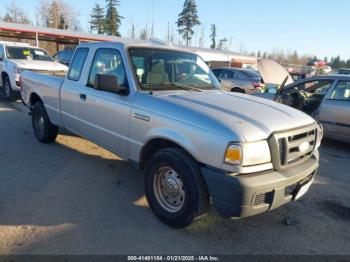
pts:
[17, 57]
[239, 80]
[197, 143]
[343, 71]
[298, 76]
[326, 98]
[64, 56]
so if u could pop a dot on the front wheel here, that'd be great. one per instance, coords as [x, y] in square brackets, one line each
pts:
[10, 95]
[175, 189]
[43, 129]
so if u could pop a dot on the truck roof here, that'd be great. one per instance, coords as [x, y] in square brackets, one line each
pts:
[14, 44]
[126, 43]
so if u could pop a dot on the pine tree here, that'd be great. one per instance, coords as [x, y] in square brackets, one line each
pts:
[188, 19]
[213, 37]
[113, 19]
[97, 19]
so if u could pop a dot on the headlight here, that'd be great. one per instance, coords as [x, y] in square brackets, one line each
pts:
[248, 154]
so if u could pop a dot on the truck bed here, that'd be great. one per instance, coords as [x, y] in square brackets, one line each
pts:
[47, 87]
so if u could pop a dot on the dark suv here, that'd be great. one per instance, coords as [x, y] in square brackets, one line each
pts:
[64, 57]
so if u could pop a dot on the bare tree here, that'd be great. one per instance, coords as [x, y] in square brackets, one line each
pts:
[15, 14]
[133, 30]
[58, 14]
[201, 36]
[144, 34]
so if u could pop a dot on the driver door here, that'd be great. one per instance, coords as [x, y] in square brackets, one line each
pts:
[104, 117]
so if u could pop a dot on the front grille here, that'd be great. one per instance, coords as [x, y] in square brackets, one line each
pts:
[292, 147]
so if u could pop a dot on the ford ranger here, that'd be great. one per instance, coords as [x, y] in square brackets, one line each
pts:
[162, 109]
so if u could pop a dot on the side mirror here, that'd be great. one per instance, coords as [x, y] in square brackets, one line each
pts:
[109, 83]
[1, 58]
[272, 90]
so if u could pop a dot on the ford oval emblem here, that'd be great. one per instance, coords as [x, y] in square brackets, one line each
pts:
[304, 147]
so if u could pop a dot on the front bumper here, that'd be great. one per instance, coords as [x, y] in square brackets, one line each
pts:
[239, 196]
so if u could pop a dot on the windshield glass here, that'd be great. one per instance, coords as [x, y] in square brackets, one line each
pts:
[158, 69]
[27, 53]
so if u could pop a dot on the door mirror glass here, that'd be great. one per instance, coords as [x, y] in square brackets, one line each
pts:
[108, 83]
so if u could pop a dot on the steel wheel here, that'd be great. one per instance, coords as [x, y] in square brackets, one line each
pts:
[169, 189]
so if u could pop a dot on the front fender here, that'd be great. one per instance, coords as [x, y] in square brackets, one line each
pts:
[172, 136]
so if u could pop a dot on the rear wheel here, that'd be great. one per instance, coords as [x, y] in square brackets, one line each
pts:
[43, 129]
[10, 95]
[175, 189]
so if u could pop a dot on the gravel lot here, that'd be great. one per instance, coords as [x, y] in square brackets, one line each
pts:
[73, 197]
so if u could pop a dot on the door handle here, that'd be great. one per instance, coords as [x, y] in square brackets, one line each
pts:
[82, 97]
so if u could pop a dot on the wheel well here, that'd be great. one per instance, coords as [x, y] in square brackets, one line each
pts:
[34, 98]
[237, 89]
[4, 75]
[153, 147]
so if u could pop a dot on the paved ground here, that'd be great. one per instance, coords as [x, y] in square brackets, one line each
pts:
[73, 197]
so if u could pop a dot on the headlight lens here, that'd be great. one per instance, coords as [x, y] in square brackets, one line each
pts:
[248, 154]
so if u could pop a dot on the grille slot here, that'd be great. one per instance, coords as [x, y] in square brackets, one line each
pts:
[293, 147]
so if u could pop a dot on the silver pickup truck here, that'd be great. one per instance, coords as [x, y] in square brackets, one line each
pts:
[162, 109]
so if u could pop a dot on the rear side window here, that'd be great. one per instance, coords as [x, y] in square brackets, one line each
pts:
[228, 74]
[342, 91]
[77, 64]
[216, 72]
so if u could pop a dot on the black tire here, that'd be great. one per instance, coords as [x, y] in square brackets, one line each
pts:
[196, 200]
[9, 94]
[238, 90]
[43, 129]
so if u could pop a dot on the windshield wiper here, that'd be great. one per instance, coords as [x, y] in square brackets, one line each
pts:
[182, 86]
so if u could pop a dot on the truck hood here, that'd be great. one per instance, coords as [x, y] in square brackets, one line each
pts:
[249, 118]
[273, 73]
[39, 65]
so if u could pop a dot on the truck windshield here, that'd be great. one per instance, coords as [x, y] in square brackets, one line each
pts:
[162, 69]
[27, 53]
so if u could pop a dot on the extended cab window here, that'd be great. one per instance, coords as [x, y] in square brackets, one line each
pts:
[108, 62]
[342, 91]
[77, 64]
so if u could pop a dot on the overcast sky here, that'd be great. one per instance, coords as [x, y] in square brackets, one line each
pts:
[317, 27]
